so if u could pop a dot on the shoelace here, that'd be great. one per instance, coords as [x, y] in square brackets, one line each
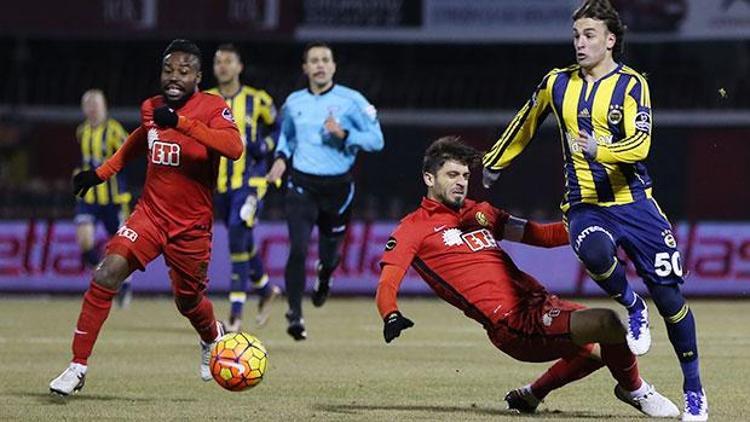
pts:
[694, 402]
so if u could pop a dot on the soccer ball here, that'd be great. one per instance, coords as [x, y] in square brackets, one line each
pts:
[238, 361]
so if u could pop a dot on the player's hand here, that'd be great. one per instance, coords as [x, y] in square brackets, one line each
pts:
[83, 181]
[489, 177]
[480, 216]
[165, 117]
[586, 143]
[277, 170]
[333, 127]
[394, 323]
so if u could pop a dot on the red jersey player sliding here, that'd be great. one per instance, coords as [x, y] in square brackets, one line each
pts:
[184, 132]
[451, 243]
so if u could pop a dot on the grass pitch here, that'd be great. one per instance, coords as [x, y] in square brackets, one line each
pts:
[145, 366]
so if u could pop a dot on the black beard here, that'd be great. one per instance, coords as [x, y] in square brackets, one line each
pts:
[176, 104]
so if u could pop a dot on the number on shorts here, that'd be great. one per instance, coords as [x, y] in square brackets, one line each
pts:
[664, 264]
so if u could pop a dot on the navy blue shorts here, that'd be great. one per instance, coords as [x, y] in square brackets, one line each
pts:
[640, 228]
[238, 207]
[111, 215]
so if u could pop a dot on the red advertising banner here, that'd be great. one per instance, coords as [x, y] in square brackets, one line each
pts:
[42, 257]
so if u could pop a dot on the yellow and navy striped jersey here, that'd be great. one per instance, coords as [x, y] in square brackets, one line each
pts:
[99, 143]
[616, 110]
[255, 116]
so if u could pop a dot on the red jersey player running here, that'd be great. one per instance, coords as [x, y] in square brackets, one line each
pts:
[451, 242]
[184, 132]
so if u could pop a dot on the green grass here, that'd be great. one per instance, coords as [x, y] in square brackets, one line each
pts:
[145, 366]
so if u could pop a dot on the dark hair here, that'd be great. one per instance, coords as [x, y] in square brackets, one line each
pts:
[184, 46]
[602, 10]
[448, 148]
[229, 48]
[309, 46]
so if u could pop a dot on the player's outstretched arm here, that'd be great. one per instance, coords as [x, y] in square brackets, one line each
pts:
[549, 235]
[518, 134]
[133, 147]
[385, 297]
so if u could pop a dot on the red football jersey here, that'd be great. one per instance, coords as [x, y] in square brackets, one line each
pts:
[467, 269]
[181, 172]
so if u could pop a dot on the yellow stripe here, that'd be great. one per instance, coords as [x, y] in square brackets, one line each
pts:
[628, 144]
[240, 257]
[605, 275]
[570, 114]
[679, 316]
[491, 157]
[97, 145]
[239, 108]
[260, 184]
[262, 282]
[90, 197]
[599, 112]
[237, 297]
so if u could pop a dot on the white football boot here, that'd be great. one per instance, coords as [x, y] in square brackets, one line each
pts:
[639, 334]
[70, 381]
[696, 406]
[205, 370]
[649, 402]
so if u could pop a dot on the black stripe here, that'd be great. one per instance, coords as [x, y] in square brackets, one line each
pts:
[465, 304]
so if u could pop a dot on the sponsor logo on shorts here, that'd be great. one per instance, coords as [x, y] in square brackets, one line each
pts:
[550, 316]
[669, 239]
[127, 233]
[587, 231]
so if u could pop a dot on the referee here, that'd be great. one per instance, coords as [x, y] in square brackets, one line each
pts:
[323, 127]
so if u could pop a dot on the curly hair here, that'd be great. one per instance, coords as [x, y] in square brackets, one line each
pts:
[604, 11]
[448, 148]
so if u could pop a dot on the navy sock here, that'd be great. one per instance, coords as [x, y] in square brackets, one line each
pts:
[682, 335]
[238, 287]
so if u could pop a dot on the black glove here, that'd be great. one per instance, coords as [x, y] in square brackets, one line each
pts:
[394, 323]
[83, 181]
[489, 177]
[165, 117]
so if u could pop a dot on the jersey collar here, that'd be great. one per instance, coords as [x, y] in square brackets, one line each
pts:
[330, 88]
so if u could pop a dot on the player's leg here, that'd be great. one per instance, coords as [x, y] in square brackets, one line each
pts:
[569, 332]
[188, 257]
[136, 245]
[301, 212]
[85, 218]
[234, 204]
[113, 216]
[332, 224]
[259, 280]
[653, 249]
[594, 240]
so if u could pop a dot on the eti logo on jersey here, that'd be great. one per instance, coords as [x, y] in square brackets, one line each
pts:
[165, 154]
[479, 239]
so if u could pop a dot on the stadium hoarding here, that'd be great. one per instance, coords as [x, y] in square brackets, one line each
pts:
[42, 257]
[543, 21]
